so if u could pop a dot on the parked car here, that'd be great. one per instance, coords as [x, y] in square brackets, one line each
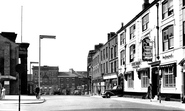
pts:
[115, 91]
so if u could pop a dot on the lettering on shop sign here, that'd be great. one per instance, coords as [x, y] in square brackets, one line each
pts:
[146, 49]
[167, 56]
[136, 64]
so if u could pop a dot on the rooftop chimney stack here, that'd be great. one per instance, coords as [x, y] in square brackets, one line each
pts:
[145, 4]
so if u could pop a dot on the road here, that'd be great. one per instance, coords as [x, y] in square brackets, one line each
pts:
[86, 103]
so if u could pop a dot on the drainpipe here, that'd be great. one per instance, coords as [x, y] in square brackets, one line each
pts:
[159, 80]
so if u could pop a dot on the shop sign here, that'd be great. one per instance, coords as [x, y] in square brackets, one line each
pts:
[146, 49]
[136, 64]
[167, 56]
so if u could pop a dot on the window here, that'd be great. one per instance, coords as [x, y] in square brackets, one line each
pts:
[103, 54]
[183, 2]
[168, 77]
[183, 33]
[115, 66]
[144, 79]
[122, 57]
[132, 31]
[168, 38]
[167, 8]
[106, 52]
[145, 21]
[111, 67]
[111, 53]
[122, 38]
[132, 52]
[106, 67]
[130, 81]
[115, 51]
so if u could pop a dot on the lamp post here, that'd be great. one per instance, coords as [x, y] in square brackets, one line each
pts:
[42, 37]
[32, 63]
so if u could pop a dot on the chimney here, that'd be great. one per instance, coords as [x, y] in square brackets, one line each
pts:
[9, 35]
[145, 4]
[110, 35]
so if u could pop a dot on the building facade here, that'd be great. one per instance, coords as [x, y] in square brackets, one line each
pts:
[109, 61]
[10, 54]
[151, 49]
[48, 78]
[73, 83]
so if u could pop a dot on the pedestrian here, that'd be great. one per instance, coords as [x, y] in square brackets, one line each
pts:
[37, 91]
[149, 92]
[1, 90]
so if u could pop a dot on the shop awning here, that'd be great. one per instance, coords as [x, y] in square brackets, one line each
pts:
[7, 78]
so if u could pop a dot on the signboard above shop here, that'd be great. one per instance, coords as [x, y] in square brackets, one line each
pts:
[146, 49]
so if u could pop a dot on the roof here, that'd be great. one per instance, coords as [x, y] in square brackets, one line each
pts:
[137, 16]
[66, 74]
[46, 68]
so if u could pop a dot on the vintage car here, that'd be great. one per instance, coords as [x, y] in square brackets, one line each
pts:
[115, 91]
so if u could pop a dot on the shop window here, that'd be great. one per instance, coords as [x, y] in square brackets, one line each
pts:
[130, 81]
[168, 38]
[132, 52]
[132, 31]
[144, 79]
[167, 8]
[168, 77]
[145, 21]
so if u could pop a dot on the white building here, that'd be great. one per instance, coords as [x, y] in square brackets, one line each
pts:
[150, 48]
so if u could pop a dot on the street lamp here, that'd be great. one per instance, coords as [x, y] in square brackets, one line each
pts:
[32, 63]
[42, 37]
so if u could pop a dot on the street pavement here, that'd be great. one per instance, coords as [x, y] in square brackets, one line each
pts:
[25, 99]
[173, 104]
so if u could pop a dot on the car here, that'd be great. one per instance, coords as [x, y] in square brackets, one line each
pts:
[115, 91]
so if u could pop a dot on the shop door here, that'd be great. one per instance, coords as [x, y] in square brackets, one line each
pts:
[155, 76]
[183, 83]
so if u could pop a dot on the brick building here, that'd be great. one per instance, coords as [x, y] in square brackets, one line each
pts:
[48, 78]
[10, 54]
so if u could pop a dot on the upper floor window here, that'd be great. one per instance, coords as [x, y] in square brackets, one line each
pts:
[106, 52]
[132, 31]
[132, 52]
[115, 51]
[167, 8]
[168, 38]
[122, 57]
[122, 38]
[111, 53]
[145, 21]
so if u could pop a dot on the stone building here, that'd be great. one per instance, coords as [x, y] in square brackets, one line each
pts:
[48, 78]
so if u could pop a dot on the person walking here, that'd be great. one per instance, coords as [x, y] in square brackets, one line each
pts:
[149, 93]
[37, 91]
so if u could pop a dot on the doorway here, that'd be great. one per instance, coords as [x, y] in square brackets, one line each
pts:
[155, 78]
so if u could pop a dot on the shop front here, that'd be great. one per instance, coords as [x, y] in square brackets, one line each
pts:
[111, 80]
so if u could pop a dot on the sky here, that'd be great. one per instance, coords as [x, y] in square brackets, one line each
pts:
[77, 24]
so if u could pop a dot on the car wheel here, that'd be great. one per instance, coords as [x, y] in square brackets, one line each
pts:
[108, 95]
